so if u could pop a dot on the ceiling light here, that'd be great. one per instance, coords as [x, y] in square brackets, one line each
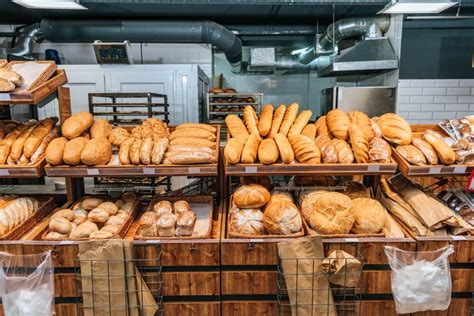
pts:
[416, 6]
[51, 4]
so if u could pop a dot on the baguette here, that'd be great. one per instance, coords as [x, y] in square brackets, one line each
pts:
[284, 147]
[309, 131]
[300, 123]
[233, 150]
[236, 127]
[18, 144]
[193, 132]
[186, 158]
[278, 116]
[268, 151]
[124, 150]
[207, 127]
[193, 141]
[145, 150]
[37, 136]
[189, 148]
[41, 150]
[134, 152]
[445, 153]
[290, 116]
[250, 119]
[265, 120]
[427, 150]
[6, 143]
[249, 152]
[159, 149]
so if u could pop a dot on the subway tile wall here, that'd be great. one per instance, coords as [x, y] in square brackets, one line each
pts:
[429, 101]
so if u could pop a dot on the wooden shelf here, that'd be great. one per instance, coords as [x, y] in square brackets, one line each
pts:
[23, 171]
[38, 94]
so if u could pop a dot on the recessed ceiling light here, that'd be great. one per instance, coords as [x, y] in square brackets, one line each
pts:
[416, 6]
[51, 4]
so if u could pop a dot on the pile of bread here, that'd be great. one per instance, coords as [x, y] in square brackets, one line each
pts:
[24, 144]
[14, 211]
[168, 220]
[285, 135]
[9, 79]
[222, 90]
[257, 212]
[93, 218]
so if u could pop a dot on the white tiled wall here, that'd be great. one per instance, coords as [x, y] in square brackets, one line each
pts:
[429, 101]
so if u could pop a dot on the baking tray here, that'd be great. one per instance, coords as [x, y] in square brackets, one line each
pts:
[45, 70]
[201, 205]
[35, 170]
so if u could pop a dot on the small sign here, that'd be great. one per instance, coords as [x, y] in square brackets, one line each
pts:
[251, 169]
[5, 97]
[373, 168]
[4, 172]
[93, 172]
[255, 240]
[351, 239]
[434, 170]
[148, 170]
[66, 242]
[155, 241]
[470, 183]
[458, 238]
[194, 170]
[459, 170]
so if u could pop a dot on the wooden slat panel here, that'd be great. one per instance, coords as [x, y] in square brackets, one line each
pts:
[382, 308]
[190, 254]
[193, 309]
[376, 282]
[463, 250]
[63, 255]
[191, 283]
[249, 282]
[254, 253]
[249, 308]
[458, 307]
[65, 285]
[61, 310]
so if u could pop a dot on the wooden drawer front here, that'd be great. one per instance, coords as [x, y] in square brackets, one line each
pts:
[376, 282]
[249, 253]
[190, 254]
[249, 308]
[15, 249]
[249, 282]
[65, 285]
[193, 309]
[463, 250]
[63, 256]
[191, 283]
[458, 307]
[379, 308]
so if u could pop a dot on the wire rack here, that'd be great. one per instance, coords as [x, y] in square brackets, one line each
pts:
[124, 287]
[305, 290]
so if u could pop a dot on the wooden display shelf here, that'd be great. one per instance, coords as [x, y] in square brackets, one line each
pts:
[23, 171]
[38, 94]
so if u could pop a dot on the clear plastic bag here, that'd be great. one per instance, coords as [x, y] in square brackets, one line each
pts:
[27, 284]
[421, 281]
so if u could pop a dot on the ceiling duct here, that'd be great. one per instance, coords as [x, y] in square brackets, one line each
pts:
[25, 43]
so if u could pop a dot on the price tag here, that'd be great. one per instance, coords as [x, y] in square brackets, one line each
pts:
[4, 172]
[373, 168]
[351, 239]
[5, 97]
[251, 169]
[148, 170]
[93, 172]
[194, 170]
[434, 170]
[458, 238]
[255, 240]
[152, 241]
[459, 170]
[470, 183]
[66, 242]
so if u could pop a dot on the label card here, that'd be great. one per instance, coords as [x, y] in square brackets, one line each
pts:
[4, 172]
[255, 240]
[148, 170]
[5, 97]
[194, 170]
[459, 170]
[435, 170]
[373, 168]
[458, 238]
[351, 239]
[251, 169]
[93, 172]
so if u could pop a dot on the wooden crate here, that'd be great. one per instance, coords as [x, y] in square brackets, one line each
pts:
[35, 170]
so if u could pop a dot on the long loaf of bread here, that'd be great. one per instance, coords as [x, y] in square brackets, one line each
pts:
[37, 136]
[18, 144]
[41, 150]
[300, 123]
[265, 120]
[278, 116]
[290, 116]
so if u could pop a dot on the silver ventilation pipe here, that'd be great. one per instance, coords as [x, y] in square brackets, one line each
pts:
[26, 42]
[369, 27]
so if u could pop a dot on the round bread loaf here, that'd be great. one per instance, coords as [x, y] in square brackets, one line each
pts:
[395, 129]
[77, 124]
[369, 216]
[98, 151]
[100, 129]
[247, 222]
[73, 150]
[251, 196]
[282, 218]
[308, 201]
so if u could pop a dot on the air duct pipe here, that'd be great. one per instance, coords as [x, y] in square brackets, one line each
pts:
[26, 42]
[343, 29]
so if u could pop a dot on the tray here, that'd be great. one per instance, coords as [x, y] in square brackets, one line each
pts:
[312, 232]
[35, 170]
[113, 169]
[43, 71]
[46, 205]
[430, 170]
[121, 234]
[267, 236]
[203, 207]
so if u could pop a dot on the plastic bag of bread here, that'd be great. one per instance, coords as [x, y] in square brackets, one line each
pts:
[185, 223]
[411, 154]
[395, 129]
[100, 129]
[282, 217]
[166, 225]
[247, 222]
[77, 124]
[251, 196]
[97, 152]
[379, 151]
[369, 216]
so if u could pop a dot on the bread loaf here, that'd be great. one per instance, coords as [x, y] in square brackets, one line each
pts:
[249, 152]
[185, 224]
[12, 76]
[91, 203]
[188, 158]
[37, 135]
[282, 218]
[109, 207]
[193, 141]
[73, 150]
[163, 207]
[41, 150]
[379, 151]
[98, 215]
[300, 123]
[278, 116]
[289, 118]
[233, 150]
[207, 127]
[98, 151]
[77, 124]
[247, 222]
[363, 122]
[159, 149]
[66, 213]
[18, 144]
[124, 151]
[60, 225]
[166, 225]
[322, 126]
[251, 196]
[83, 231]
[265, 120]
[411, 154]
[427, 150]
[236, 127]
[360, 144]
[369, 216]
[305, 150]
[376, 128]
[284, 148]
[100, 129]
[55, 151]
[327, 149]
[134, 151]
[445, 153]
[118, 135]
[338, 123]
[344, 151]
[395, 129]
[309, 131]
[268, 152]
[145, 151]
[250, 119]
[6, 85]
[193, 132]
[7, 141]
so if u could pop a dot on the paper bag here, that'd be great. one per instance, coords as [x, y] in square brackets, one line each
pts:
[308, 288]
[343, 269]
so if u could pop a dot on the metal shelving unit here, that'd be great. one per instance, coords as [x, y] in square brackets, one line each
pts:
[234, 103]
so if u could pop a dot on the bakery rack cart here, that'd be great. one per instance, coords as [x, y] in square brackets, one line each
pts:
[218, 105]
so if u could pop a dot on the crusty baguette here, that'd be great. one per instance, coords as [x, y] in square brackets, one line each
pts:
[18, 144]
[193, 132]
[309, 131]
[290, 116]
[250, 119]
[278, 116]
[193, 141]
[197, 125]
[41, 150]
[249, 152]
[37, 136]
[284, 147]
[300, 123]
[6, 143]
[236, 127]
[265, 120]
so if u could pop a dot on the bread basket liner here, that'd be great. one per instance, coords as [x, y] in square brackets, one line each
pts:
[46, 204]
[43, 77]
[120, 234]
[233, 234]
[191, 200]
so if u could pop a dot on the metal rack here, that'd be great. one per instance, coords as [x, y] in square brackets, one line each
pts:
[234, 102]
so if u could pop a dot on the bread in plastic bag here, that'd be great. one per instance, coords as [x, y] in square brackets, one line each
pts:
[421, 281]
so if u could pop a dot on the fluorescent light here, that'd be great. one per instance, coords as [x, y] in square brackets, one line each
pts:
[51, 4]
[416, 6]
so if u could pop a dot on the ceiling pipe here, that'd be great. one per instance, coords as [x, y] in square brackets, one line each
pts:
[25, 43]
[343, 29]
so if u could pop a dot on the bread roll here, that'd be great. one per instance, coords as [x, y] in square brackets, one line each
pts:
[73, 150]
[300, 123]
[233, 150]
[395, 129]
[193, 132]
[185, 224]
[284, 148]
[379, 151]
[265, 120]
[37, 135]
[77, 124]
[249, 152]
[118, 135]
[289, 118]
[427, 150]
[251, 196]
[268, 152]
[305, 150]
[55, 151]
[109, 207]
[411, 154]
[360, 144]
[282, 218]
[115, 220]
[98, 151]
[100, 235]
[159, 149]
[166, 225]
[98, 215]
[163, 207]
[41, 150]
[18, 144]
[250, 119]
[54, 236]
[236, 127]
[100, 129]
[363, 122]
[84, 230]
[445, 153]
[276, 121]
[322, 126]
[193, 141]
[114, 229]
[309, 131]
[344, 151]
[145, 150]
[124, 156]
[338, 123]
[90, 203]
[327, 149]
[247, 222]
[369, 216]
[207, 127]
[65, 213]
[60, 225]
